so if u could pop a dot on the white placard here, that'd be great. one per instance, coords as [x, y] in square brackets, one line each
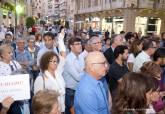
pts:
[15, 86]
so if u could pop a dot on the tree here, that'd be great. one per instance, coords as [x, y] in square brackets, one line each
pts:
[42, 22]
[66, 24]
[30, 21]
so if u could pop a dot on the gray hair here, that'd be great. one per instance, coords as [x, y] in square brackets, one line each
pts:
[90, 41]
[20, 39]
[32, 37]
[114, 36]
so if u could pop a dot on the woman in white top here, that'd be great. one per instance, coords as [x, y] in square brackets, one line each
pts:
[7, 65]
[135, 48]
[51, 76]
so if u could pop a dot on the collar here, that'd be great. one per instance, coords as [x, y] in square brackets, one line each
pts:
[20, 51]
[145, 54]
[113, 49]
[73, 55]
[30, 50]
[92, 79]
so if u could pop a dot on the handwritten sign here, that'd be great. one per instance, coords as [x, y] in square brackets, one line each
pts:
[15, 86]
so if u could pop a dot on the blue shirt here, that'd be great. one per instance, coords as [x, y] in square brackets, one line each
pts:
[72, 69]
[23, 56]
[91, 96]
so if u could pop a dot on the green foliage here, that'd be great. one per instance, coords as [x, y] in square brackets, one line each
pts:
[57, 22]
[66, 24]
[30, 21]
[42, 22]
[8, 6]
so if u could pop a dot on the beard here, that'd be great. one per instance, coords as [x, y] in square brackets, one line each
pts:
[163, 66]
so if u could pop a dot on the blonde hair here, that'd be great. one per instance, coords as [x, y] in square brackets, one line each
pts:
[43, 101]
[5, 47]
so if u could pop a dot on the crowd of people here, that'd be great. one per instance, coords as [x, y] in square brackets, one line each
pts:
[81, 73]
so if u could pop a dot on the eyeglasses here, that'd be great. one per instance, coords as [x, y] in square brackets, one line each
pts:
[77, 44]
[97, 43]
[56, 62]
[103, 63]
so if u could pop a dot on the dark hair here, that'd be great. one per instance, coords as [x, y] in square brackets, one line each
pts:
[128, 36]
[37, 35]
[119, 50]
[133, 48]
[156, 39]
[62, 27]
[159, 53]
[45, 59]
[49, 34]
[72, 41]
[135, 34]
[131, 93]
[122, 32]
[8, 34]
[147, 43]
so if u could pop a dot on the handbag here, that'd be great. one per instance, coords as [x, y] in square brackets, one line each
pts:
[43, 82]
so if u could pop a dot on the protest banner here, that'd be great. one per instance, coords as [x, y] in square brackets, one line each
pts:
[15, 86]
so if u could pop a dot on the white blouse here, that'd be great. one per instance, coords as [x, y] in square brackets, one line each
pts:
[131, 58]
[57, 84]
[61, 44]
[5, 69]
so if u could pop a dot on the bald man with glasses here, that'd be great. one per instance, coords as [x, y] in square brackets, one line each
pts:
[92, 95]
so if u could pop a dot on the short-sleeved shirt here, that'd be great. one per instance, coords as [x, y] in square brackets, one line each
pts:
[116, 72]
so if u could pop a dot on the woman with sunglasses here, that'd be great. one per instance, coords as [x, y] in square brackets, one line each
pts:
[51, 78]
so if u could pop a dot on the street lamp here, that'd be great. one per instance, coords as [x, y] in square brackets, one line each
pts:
[18, 10]
[15, 17]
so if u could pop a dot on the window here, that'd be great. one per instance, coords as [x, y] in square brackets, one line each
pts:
[89, 3]
[95, 2]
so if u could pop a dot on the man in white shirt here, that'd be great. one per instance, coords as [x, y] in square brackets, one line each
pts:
[49, 45]
[149, 47]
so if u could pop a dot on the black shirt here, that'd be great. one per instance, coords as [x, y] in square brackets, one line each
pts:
[109, 55]
[115, 73]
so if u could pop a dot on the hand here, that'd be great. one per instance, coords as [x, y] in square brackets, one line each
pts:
[162, 93]
[6, 103]
[34, 67]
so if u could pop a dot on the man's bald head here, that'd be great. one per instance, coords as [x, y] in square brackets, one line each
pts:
[94, 57]
[96, 65]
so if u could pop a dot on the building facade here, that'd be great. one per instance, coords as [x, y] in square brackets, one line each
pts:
[15, 11]
[147, 16]
[7, 13]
